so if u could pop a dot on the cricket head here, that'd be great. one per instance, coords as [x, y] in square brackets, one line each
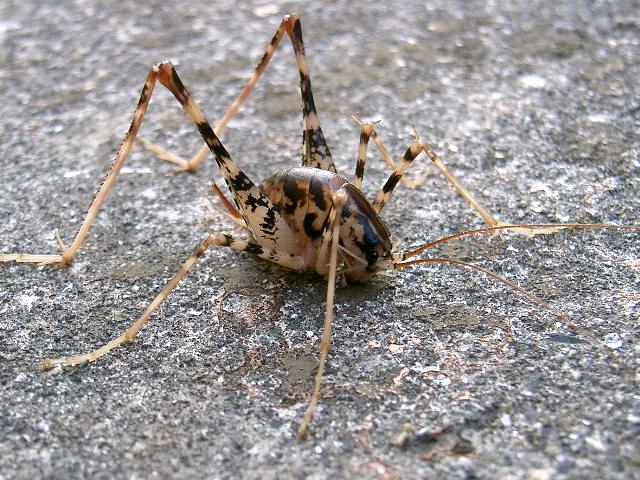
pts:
[365, 243]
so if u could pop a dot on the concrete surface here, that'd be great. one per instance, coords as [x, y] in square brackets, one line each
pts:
[534, 104]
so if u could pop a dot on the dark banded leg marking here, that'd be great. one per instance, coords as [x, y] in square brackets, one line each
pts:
[385, 194]
[409, 182]
[261, 217]
[412, 152]
[195, 161]
[367, 133]
[315, 151]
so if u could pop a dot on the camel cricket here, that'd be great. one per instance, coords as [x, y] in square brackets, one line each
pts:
[308, 217]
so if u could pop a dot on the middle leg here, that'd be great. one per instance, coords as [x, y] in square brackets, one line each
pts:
[219, 240]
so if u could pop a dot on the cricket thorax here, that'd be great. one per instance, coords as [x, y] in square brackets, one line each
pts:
[303, 197]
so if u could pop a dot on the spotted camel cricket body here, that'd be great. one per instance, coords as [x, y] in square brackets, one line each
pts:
[303, 218]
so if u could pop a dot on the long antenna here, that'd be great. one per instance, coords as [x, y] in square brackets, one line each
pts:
[535, 228]
[533, 299]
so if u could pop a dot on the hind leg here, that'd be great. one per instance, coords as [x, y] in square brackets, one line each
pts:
[315, 152]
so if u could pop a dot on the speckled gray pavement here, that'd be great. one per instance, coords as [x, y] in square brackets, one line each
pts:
[536, 105]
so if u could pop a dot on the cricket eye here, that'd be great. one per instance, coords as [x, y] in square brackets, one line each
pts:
[372, 257]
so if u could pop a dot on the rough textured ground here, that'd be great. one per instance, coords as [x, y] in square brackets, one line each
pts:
[534, 104]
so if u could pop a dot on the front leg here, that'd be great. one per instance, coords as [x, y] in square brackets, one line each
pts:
[333, 228]
[368, 132]
[412, 152]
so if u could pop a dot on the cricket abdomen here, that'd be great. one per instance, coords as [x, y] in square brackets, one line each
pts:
[303, 197]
